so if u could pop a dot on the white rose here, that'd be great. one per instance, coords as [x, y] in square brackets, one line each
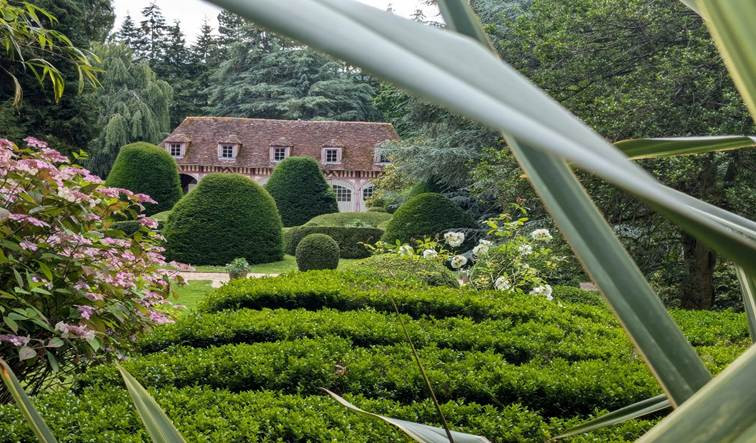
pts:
[430, 253]
[525, 249]
[502, 284]
[541, 235]
[458, 261]
[405, 250]
[480, 250]
[454, 239]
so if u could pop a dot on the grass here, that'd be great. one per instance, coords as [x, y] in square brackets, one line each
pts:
[289, 263]
[192, 293]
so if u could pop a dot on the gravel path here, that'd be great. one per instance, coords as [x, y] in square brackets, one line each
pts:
[216, 278]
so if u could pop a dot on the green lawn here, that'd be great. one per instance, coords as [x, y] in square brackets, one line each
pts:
[192, 293]
[289, 263]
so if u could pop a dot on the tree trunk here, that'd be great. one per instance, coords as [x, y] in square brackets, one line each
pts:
[697, 289]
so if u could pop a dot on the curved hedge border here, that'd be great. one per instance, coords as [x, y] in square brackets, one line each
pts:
[350, 240]
[556, 387]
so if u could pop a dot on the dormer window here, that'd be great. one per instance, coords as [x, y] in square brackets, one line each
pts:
[382, 158]
[279, 153]
[227, 151]
[175, 149]
[331, 155]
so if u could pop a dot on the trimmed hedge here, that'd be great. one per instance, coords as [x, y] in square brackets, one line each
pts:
[317, 251]
[147, 169]
[300, 191]
[226, 216]
[516, 342]
[350, 219]
[555, 387]
[208, 415]
[394, 267]
[426, 215]
[350, 240]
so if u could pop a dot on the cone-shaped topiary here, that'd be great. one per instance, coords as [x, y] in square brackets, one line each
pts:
[317, 251]
[300, 191]
[425, 215]
[146, 169]
[226, 216]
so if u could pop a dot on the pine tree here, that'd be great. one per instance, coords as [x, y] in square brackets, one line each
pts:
[230, 29]
[152, 42]
[175, 56]
[204, 51]
[128, 34]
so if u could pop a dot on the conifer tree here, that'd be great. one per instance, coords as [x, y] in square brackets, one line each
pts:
[151, 44]
[128, 34]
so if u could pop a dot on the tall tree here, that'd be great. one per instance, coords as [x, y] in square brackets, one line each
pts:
[132, 105]
[151, 45]
[128, 34]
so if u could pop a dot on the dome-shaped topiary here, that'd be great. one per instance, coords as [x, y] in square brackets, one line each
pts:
[300, 191]
[317, 251]
[425, 215]
[226, 216]
[146, 169]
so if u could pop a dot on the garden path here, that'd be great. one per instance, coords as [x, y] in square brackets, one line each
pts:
[217, 278]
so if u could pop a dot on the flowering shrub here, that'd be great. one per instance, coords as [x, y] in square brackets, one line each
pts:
[74, 290]
[515, 262]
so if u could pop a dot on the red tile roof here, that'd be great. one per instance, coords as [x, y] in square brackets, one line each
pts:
[358, 140]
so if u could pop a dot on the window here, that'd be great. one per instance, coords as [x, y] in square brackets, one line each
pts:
[342, 194]
[175, 149]
[382, 157]
[331, 155]
[279, 154]
[367, 192]
[227, 151]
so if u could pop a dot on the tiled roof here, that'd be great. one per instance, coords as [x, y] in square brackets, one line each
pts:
[256, 136]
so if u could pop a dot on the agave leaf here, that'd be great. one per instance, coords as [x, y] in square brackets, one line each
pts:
[644, 407]
[731, 24]
[417, 431]
[748, 290]
[159, 426]
[458, 73]
[722, 411]
[31, 415]
[663, 345]
[641, 148]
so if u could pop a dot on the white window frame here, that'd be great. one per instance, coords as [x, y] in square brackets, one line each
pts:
[276, 149]
[330, 150]
[172, 146]
[227, 148]
[381, 159]
[342, 196]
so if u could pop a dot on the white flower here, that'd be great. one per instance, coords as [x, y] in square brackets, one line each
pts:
[541, 235]
[430, 253]
[525, 249]
[454, 239]
[66, 194]
[406, 250]
[458, 261]
[544, 290]
[502, 284]
[485, 242]
[480, 250]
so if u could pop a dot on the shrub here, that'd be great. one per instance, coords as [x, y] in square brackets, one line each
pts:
[238, 268]
[226, 216]
[377, 209]
[147, 169]
[350, 219]
[425, 215]
[317, 251]
[391, 266]
[300, 191]
[75, 288]
[351, 241]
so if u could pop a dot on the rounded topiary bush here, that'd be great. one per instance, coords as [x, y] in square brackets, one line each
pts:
[413, 270]
[300, 191]
[425, 215]
[144, 168]
[317, 251]
[226, 216]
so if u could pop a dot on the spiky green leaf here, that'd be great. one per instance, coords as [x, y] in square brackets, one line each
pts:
[35, 421]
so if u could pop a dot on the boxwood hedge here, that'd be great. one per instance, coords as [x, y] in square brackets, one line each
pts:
[147, 169]
[300, 190]
[351, 240]
[317, 251]
[426, 215]
[226, 216]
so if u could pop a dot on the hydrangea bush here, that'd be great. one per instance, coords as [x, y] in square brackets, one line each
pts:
[74, 290]
[511, 260]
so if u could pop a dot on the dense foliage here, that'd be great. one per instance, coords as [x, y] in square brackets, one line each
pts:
[317, 251]
[425, 215]
[75, 289]
[351, 219]
[553, 362]
[226, 216]
[352, 241]
[147, 169]
[406, 269]
[300, 190]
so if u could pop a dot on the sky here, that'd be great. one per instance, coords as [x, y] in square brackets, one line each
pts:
[192, 12]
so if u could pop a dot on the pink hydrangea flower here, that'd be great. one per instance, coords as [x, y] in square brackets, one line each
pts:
[74, 331]
[160, 318]
[23, 218]
[15, 340]
[35, 142]
[54, 156]
[147, 221]
[144, 198]
[29, 246]
[85, 311]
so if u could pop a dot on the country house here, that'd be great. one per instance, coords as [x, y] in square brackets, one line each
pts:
[346, 151]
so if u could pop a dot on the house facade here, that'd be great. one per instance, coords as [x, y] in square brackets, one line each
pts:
[346, 151]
